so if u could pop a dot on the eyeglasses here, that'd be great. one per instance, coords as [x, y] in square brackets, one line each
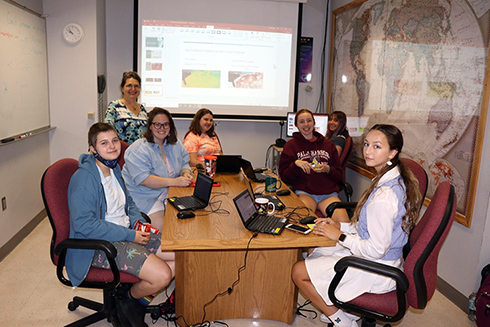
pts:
[159, 125]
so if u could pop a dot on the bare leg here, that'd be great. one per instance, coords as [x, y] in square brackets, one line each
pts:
[157, 219]
[308, 201]
[302, 280]
[169, 258]
[339, 215]
[155, 275]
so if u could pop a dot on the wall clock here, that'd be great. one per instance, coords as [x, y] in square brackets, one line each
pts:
[73, 33]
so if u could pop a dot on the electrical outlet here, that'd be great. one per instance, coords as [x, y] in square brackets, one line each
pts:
[4, 203]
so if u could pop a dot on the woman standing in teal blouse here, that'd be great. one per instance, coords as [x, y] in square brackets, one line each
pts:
[126, 114]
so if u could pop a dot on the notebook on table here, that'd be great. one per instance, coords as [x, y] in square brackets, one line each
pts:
[249, 171]
[253, 220]
[199, 199]
[228, 163]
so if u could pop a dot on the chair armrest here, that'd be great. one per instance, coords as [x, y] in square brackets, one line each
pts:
[87, 244]
[146, 217]
[75, 243]
[339, 205]
[400, 278]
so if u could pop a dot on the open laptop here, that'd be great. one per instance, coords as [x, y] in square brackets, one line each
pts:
[272, 198]
[249, 171]
[198, 200]
[228, 163]
[253, 220]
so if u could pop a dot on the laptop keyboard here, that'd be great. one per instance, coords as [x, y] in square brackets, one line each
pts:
[189, 201]
[265, 222]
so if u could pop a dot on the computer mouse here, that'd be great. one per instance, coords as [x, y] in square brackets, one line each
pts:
[283, 192]
[186, 214]
[307, 220]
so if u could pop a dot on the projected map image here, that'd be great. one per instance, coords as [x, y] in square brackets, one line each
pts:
[206, 79]
[246, 80]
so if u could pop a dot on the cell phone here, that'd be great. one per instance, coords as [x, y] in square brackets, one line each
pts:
[298, 229]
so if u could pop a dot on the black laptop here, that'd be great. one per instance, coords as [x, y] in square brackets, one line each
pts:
[271, 198]
[253, 220]
[198, 200]
[228, 163]
[249, 171]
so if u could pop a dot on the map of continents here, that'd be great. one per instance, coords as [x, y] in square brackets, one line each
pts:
[416, 64]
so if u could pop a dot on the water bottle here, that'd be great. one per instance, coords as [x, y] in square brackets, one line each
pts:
[472, 307]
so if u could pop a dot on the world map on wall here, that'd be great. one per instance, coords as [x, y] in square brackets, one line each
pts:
[419, 65]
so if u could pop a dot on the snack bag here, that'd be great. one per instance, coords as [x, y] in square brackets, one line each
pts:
[145, 228]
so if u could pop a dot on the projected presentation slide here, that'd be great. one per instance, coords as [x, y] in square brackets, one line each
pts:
[190, 63]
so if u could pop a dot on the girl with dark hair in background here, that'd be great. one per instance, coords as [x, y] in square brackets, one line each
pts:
[337, 130]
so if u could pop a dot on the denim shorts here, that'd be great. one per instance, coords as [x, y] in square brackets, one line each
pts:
[318, 197]
[130, 256]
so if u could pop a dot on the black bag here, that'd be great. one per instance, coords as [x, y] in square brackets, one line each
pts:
[482, 301]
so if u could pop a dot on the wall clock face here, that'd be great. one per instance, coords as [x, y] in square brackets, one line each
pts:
[73, 33]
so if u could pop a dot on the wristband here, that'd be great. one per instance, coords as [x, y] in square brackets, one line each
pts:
[342, 237]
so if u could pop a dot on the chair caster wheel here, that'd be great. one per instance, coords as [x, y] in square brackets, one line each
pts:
[154, 315]
[72, 306]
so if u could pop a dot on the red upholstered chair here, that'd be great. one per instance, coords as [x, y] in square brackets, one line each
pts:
[344, 156]
[121, 161]
[416, 283]
[54, 189]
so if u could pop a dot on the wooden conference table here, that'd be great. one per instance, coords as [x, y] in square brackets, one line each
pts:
[211, 247]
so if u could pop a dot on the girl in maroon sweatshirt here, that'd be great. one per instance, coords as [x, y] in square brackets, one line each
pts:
[310, 164]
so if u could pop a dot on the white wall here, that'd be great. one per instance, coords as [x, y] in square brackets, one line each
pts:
[72, 76]
[21, 167]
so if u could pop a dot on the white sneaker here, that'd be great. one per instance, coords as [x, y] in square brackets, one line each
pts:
[325, 319]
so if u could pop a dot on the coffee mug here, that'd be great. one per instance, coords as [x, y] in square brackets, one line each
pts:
[210, 165]
[272, 184]
[264, 206]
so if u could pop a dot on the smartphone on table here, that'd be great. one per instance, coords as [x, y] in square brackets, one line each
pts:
[298, 229]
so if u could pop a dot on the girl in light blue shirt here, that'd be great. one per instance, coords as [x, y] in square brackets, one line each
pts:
[154, 163]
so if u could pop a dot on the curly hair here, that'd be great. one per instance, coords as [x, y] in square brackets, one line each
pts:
[172, 134]
[414, 198]
[195, 126]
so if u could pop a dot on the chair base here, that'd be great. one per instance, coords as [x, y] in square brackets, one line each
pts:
[370, 322]
[106, 310]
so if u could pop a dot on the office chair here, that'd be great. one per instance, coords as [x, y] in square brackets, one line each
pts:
[416, 283]
[344, 156]
[54, 189]
[120, 160]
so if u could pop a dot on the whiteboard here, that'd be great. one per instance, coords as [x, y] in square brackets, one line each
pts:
[24, 104]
